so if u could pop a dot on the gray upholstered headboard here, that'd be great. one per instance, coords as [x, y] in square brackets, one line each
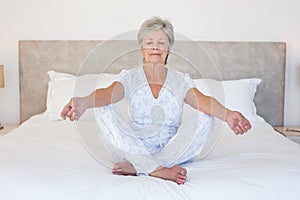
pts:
[217, 60]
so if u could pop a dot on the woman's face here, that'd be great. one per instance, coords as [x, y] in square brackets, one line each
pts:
[155, 47]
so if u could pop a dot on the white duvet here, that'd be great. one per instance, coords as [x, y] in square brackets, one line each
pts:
[46, 160]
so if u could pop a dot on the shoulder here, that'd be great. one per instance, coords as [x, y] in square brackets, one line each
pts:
[130, 71]
[178, 74]
[125, 73]
[131, 79]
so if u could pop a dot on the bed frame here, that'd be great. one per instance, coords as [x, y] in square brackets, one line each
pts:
[217, 60]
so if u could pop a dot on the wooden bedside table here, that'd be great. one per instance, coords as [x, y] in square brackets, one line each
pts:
[293, 133]
[7, 128]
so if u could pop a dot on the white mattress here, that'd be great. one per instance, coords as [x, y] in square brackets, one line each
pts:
[46, 160]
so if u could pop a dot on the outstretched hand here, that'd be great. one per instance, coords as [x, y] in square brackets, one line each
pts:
[73, 109]
[237, 122]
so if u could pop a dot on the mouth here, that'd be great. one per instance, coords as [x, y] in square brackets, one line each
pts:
[155, 54]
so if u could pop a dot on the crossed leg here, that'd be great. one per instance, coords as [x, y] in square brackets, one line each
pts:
[124, 168]
[175, 173]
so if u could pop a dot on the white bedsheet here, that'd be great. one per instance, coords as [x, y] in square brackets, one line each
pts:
[46, 160]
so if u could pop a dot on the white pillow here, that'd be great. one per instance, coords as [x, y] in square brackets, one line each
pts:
[62, 87]
[234, 94]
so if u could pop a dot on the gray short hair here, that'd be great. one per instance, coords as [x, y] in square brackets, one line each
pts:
[154, 24]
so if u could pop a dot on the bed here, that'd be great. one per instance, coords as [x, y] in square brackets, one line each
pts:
[46, 158]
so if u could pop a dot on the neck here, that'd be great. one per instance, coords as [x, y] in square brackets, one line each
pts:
[154, 67]
[155, 72]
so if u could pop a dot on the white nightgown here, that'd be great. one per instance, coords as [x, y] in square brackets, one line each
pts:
[148, 131]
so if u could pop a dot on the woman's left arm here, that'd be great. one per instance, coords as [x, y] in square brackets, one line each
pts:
[209, 105]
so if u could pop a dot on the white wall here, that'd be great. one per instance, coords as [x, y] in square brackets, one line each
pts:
[218, 20]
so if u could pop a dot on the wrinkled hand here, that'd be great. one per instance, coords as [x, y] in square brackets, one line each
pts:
[237, 122]
[73, 109]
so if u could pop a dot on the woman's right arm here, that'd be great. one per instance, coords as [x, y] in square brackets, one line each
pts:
[100, 97]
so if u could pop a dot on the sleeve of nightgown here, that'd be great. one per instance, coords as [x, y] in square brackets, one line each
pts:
[124, 78]
[188, 84]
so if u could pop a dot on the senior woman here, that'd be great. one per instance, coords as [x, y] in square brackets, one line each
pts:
[145, 88]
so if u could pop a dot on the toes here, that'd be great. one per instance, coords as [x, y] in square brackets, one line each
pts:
[175, 173]
[117, 171]
[183, 172]
[181, 176]
[180, 180]
[116, 166]
[124, 168]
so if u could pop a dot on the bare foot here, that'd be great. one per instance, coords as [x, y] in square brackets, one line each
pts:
[176, 174]
[124, 168]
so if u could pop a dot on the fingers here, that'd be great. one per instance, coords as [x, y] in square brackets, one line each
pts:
[238, 123]
[238, 130]
[242, 126]
[246, 124]
[73, 114]
[69, 111]
[65, 110]
[63, 114]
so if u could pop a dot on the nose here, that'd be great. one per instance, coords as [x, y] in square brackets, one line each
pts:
[154, 48]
